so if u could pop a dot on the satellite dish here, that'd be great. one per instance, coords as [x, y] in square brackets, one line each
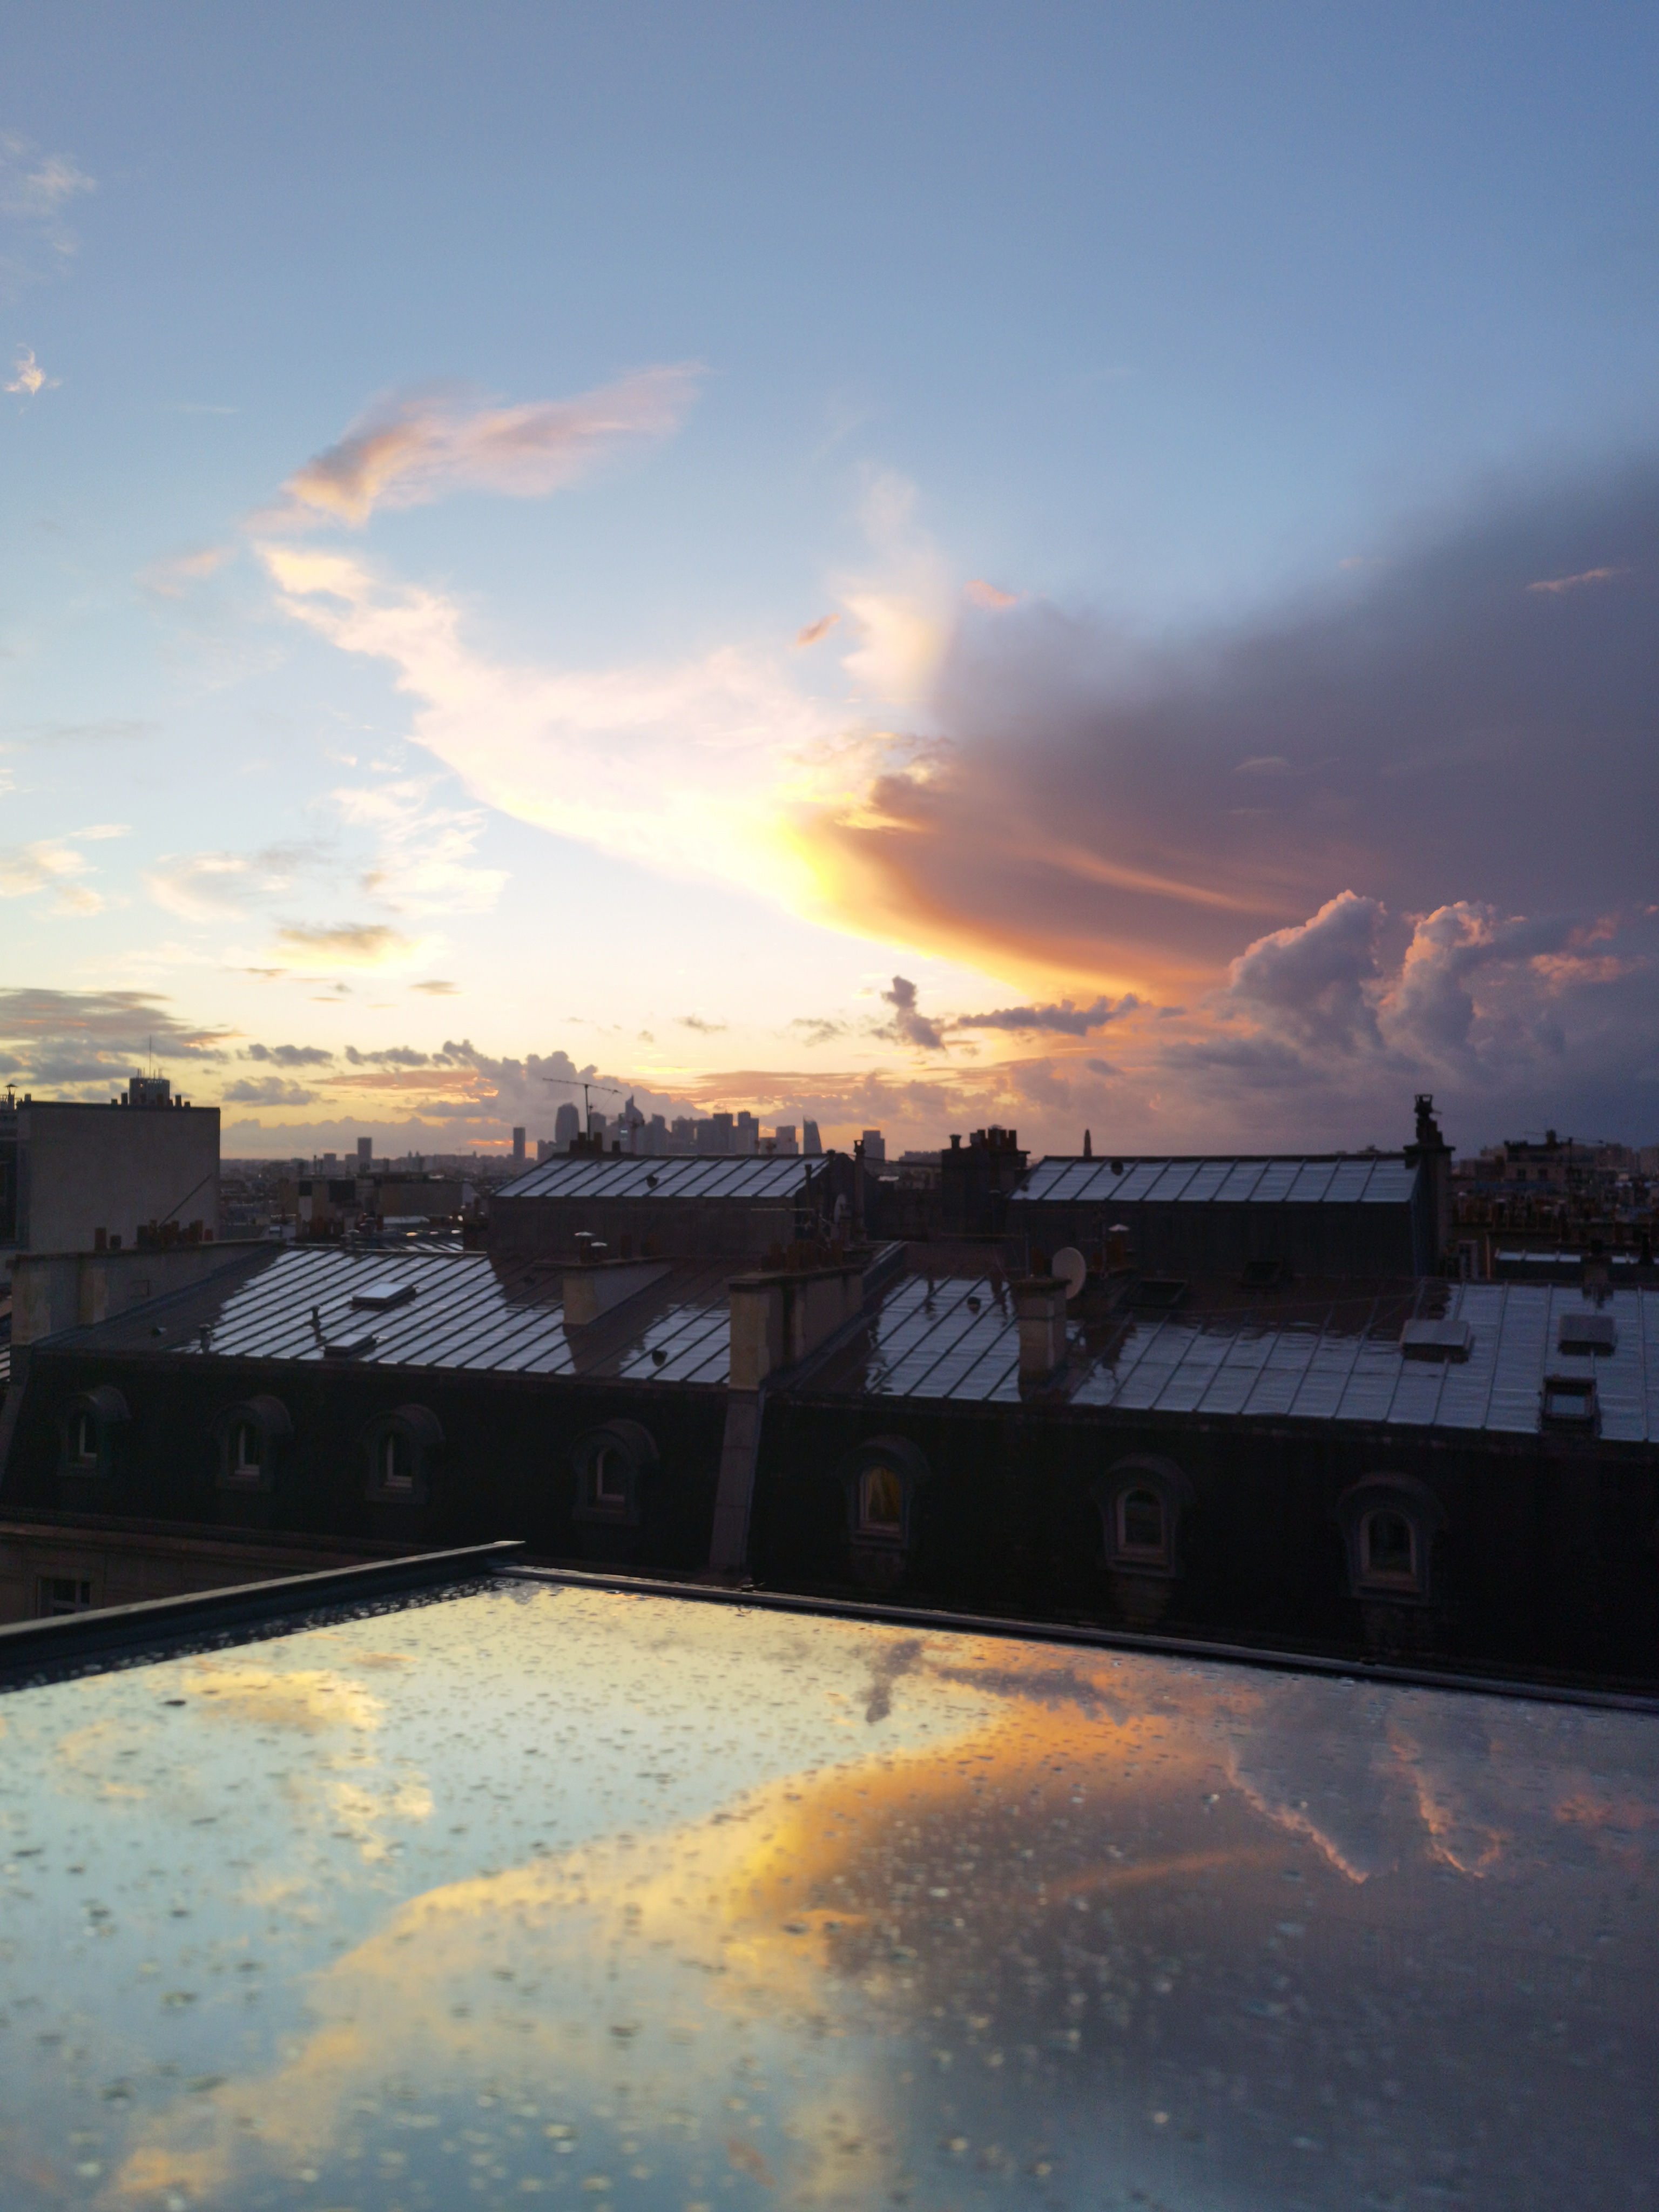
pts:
[1071, 1268]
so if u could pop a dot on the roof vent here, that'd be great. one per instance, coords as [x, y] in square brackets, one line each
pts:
[349, 1347]
[381, 1297]
[1436, 1339]
[1587, 1331]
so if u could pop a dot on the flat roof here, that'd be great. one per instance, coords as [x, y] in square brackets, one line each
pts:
[584, 1174]
[1328, 1178]
[541, 1890]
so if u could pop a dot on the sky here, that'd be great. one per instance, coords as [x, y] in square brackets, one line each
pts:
[1075, 568]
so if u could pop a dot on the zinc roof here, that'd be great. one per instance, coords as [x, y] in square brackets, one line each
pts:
[1320, 1358]
[1343, 1179]
[469, 1311]
[613, 1176]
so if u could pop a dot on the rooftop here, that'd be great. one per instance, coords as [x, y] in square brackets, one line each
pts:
[415, 1308]
[1301, 1354]
[1333, 1178]
[534, 1888]
[608, 1175]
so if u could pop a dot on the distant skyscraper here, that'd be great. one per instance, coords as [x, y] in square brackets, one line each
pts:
[365, 1152]
[518, 1145]
[566, 1125]
[875, 1144]
[810, 1143]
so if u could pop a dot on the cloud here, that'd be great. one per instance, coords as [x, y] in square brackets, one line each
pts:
[265, 1090]
[206, 887]
[424, 862]
[1317, 977]
[415, 446]
[403, 1055]
[1074, 818]
[437, 988]
[908, 1024]
[36, 191]
[28, 378]
[696, 1021]
[81, 732]
[171, 576]
[1065, 1019]
[818, 1029]
[291, 1056]
[82, 1038]
[48, 864]
[346, 945]
[904, 613]
[988, 599]
[814, 631]
[1573, 583]
[697, 769]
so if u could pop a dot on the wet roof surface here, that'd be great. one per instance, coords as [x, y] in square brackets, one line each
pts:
[1290, 1355]
[547, 1892]
[584, 1176]
[1370, 1179]
[1297, 1355]
[469, 1310]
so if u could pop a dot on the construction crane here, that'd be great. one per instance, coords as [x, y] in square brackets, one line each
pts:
[580, 1083]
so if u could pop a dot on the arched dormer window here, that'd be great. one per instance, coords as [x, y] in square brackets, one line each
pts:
[249, 1439]
[402, 1450]
[1388, 1524]
[89, 1432]
[881, 1501]
[884, 1480]
[1141, 1502]
[613, 1467]
[884, 1485]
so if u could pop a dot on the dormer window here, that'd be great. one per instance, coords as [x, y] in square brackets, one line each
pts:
[614, 1466]
[881, 1501]
[1141, 1502]
[1388, 1546]
[90, 1427]
[1388, 1524]
[403, 1448]
[1140, 1525]
[250, 1437]
[397, 1462]
[610, 1477]
[884, 1482]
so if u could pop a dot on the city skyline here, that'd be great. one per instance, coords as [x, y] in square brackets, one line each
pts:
[1084, 574]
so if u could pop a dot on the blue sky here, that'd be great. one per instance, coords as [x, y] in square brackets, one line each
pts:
[1181, 412]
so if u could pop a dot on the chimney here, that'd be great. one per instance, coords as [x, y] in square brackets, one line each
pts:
[777, 1318]
[1039, 1305]
[1433, 1154]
